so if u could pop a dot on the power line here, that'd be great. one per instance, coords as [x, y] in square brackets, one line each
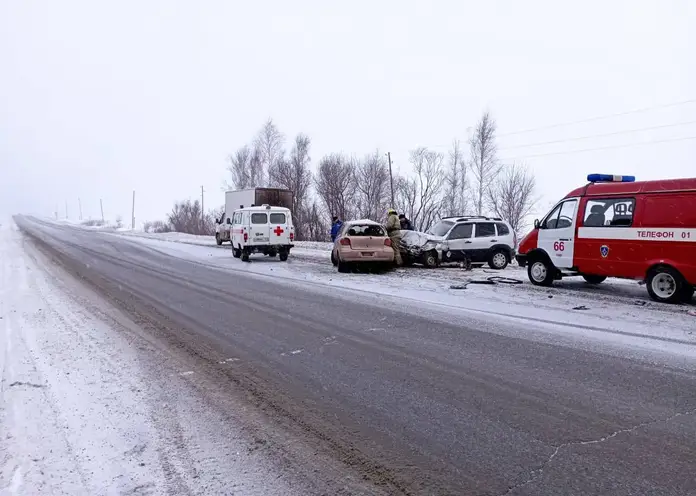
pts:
[590, 136]
[601, 117]
[568, 152]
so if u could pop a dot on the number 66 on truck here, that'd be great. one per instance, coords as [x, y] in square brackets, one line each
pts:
[617, 227]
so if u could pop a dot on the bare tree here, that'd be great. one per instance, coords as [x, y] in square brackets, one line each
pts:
[186, 217]
[511, 196]
[456, 194]
[372, 193]
[429, 178]
[406, 195]
[484, 163]
[239, 168]
[295, 174]
[334, 183]
[317, 228]
[268, 146]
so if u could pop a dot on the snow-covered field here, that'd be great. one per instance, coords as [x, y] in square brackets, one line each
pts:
[87, 407]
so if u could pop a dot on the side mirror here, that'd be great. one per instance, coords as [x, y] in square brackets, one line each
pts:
[536, 224]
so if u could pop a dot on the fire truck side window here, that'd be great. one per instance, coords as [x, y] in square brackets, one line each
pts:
[562, 216]
[609, 212]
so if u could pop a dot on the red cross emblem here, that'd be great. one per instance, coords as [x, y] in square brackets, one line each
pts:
[278, 231]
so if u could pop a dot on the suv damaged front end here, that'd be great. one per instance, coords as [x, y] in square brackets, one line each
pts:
[422, 248]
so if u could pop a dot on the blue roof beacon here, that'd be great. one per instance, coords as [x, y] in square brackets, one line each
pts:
[610, 178]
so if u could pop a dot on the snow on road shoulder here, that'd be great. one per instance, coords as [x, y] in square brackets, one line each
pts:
[617, 312]
[82, 411]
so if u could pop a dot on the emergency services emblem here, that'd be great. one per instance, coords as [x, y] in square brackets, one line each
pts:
[604, 251]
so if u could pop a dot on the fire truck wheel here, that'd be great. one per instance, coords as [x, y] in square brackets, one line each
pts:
[498, 260]
[590, 279]
[541, 272]
[217, 239]
[236, 252]
[665, 284]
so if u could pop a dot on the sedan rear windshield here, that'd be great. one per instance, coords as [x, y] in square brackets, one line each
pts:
[441, 228]
[365, 230]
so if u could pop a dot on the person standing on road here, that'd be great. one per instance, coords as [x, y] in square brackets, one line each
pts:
[394, 231]
[405, 223]
[336, 226]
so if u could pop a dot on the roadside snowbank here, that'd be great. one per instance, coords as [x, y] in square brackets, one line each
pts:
[86, 408]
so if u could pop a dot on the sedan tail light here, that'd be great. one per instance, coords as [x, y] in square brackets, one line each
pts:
[387, 242]
[345, 241]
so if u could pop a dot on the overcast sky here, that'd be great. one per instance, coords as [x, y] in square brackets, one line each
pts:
[100, 98]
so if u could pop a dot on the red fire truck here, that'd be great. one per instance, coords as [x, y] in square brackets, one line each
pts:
[617, 227]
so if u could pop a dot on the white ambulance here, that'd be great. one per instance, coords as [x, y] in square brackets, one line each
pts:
[264, 229]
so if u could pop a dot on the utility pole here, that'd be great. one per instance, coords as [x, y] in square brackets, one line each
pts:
[391, 179]
[56, 211]
[79, 205]
[133, 213]
[66, 209]
[101, 206]
[202, 210]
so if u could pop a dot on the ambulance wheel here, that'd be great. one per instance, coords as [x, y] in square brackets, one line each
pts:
[665, 284]
[541, 272]
[236, 252]
[498, 260]
[272, 253]
[590, 279]
[245, 256]
[217, 239]
[284, 256]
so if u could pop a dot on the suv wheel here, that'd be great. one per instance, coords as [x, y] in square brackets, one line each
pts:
[430, 259]
[498, 260]
[541, 272]
[665, 284]
[217, 239]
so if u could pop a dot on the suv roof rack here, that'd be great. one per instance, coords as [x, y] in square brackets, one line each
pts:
[471, 217]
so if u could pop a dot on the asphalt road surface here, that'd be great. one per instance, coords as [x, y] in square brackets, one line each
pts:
[410, 405]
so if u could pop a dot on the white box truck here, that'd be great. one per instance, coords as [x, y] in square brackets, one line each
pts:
[251, 197]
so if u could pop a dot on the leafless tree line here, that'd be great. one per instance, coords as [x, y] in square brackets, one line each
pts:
[437, 184]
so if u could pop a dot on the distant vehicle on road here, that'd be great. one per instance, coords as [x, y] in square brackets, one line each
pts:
[471, 239]
[362, 242]
[264, 229]
[250, 197]
[616, 227]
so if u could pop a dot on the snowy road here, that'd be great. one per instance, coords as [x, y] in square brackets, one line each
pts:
[335, 384]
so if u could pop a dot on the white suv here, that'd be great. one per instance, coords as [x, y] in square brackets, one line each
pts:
[476, 239]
